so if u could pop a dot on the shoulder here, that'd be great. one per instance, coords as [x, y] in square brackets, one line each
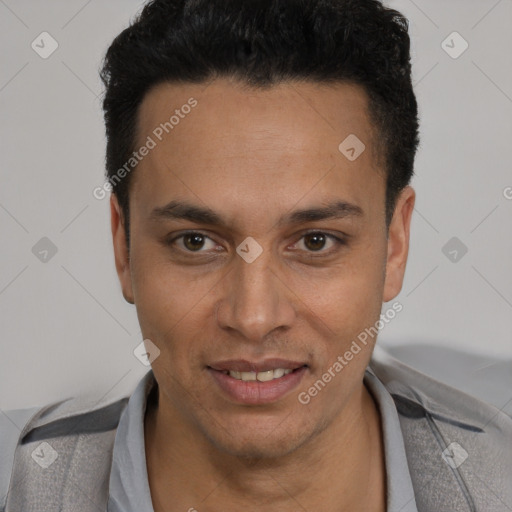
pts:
[72, 415]
[23, 430]
[407, 384]
[459, 448]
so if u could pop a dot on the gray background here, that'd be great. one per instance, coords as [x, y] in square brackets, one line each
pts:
[65, 327]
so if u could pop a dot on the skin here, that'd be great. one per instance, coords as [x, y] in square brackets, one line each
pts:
[252, 156]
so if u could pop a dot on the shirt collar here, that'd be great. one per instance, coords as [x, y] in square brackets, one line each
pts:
[129, 484]
[400, 492]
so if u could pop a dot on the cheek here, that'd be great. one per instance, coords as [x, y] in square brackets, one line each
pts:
[346, 298]
[168, 303]
[162, 291]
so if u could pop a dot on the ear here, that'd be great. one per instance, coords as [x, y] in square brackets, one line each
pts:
[398, 243]
[121, 253]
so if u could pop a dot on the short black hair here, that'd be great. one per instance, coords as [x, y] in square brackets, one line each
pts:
[262, 43]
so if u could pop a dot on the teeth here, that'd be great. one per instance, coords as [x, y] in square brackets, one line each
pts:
[279, 372]
[265, 376]
[260, 376]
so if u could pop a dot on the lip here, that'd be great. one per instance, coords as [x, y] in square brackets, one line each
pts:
[242, 365]
[256, 392]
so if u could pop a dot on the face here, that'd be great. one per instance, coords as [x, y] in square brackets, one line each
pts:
[257, 245]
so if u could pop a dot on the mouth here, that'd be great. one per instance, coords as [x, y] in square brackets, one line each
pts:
[264, 376]
[256, 383]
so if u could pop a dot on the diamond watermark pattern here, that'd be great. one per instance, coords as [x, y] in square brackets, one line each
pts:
[44, 45]
[454, 455]
[249, 249]
[44, 250]
[146, 352]
[454, 45]
[352, 147]
[454, 250]
[44, 455]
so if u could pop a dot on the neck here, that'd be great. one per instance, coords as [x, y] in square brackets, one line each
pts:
[342, 468]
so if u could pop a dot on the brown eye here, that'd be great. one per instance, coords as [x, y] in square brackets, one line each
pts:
[193, 241]
[318, 243]
[314, 241]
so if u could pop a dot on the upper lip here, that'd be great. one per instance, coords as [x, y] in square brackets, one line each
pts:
[242, 365]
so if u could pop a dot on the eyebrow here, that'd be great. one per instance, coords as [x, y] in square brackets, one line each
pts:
[181, 210]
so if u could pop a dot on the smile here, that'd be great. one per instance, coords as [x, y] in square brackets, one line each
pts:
[264, 376]
[257, 383]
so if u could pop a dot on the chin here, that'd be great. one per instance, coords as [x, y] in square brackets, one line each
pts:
[265, 448]
[270, 441]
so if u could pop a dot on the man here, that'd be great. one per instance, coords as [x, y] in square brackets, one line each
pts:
[260, 155]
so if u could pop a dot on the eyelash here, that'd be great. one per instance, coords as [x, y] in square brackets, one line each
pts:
[338, 241]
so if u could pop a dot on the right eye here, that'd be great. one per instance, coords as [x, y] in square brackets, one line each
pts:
[191, 241]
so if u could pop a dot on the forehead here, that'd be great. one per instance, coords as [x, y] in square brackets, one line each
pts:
[255, 142]
[225, 102]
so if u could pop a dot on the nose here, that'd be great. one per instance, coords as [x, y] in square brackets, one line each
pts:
[255, 299]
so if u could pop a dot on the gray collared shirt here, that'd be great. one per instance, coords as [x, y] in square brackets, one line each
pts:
[129, 485]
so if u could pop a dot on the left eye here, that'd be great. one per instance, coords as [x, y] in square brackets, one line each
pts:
[316, 241]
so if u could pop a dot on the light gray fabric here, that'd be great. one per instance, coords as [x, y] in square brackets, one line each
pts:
[432, 418]
[11, 426]
[399, 486]
[482, 376]
[79, 447]
[129, 487]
